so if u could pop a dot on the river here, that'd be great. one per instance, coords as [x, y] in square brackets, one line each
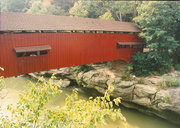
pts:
[135, 119]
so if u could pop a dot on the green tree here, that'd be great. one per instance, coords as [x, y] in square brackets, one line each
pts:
[122, 10]
[90, 9]
[107, 16]
[38, 7]
[78, 10]
[95, 9]
[14, 5]
[65, 5]
[159, 23]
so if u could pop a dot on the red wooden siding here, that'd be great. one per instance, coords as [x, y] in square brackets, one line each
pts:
[67, 49]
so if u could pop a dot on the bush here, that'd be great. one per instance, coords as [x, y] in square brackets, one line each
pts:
[149, 63]
[175, 55]
[171, 81]
[127, 74]
[83, 68]
[76, 113]
[140, 81]
[177, 67]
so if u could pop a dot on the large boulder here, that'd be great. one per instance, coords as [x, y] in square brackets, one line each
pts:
[142, 90]
[163, 96]
[63, 83]
[124, 84]
[143, 94]
[125, 93]
[175, 95]
[156, 80]
[93, 78]
[144, 101]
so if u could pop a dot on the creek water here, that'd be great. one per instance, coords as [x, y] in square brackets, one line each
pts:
[135, 119]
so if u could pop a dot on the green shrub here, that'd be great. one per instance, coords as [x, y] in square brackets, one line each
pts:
[31, 109]
[127, 74]
[140, 81]
[83, 68]
[149, 63]
[168, 81]
[177, 67]
[171, 81]
[175, 55]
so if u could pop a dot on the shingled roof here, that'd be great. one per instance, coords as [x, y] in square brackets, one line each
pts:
[21, 21]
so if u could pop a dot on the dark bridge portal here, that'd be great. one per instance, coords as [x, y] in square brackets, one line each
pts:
[24, 49]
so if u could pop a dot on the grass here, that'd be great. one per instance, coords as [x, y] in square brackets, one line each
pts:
[169, 81]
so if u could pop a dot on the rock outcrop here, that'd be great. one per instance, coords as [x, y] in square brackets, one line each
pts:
[145, 97]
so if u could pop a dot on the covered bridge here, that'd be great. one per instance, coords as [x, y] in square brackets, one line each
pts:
[33, 43]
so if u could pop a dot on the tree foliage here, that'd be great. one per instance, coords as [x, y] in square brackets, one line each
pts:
[31, 109]
[14, 5]
[107, 16]
[39, 7]
[55, 7]
[150, 63]
[65, 5]
[103, 9]
[159, 22]
[122, 10]
[88, 9]
[78, 10]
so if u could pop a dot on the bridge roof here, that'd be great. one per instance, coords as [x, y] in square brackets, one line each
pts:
[20, 21]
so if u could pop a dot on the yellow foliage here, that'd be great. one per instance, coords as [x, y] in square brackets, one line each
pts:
[77, 113]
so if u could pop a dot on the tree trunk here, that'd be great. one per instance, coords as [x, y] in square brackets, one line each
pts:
[120, 16]
[135, 11]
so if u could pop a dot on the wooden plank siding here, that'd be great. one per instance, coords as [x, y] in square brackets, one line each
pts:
[67, 49]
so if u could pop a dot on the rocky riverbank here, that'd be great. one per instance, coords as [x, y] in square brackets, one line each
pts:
[143, 94]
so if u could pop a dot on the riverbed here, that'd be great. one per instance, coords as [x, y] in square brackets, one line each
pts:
[135, 119]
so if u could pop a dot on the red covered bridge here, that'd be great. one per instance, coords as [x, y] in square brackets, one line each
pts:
[33, 43]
